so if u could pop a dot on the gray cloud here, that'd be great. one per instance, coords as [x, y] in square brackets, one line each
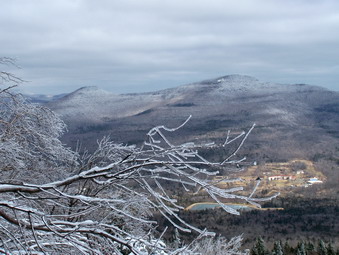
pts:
[131, 46]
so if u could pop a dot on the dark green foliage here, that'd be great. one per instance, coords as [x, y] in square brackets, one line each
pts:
[321, 248]
[309, 247]
[302, 219]
[302, 248]
[259, 247]
[287, 248]
[330, 250]
[277, 249]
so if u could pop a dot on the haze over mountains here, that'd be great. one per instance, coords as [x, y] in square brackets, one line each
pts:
[292, 120]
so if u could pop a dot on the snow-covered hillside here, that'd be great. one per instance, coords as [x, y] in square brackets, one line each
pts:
[92, 104]
[287, 115]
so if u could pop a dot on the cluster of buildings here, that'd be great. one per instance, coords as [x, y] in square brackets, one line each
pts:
[276, 172]
[312, 180]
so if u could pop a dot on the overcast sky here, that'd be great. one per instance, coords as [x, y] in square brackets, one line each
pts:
[133, 45]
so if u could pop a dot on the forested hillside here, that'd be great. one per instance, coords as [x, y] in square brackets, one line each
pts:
[293, 122]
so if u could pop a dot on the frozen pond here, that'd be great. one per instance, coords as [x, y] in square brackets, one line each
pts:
[203, 206]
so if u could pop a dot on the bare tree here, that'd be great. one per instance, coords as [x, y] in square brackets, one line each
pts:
[99, 203]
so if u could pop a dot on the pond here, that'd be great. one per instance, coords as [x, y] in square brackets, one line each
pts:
[203, 206]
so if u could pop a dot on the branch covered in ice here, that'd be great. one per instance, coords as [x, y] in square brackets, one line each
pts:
[55, 201]
[114, 202]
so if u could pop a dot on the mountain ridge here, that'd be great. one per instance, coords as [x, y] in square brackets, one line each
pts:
[290, 118]
[224, 86]
[233, 79]
[295, 122]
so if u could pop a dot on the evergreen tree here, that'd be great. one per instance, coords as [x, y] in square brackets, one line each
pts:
[309, 246]
[301, 249]
[277, 249]
[287, 248]
[259, 247]
[330, 250]
[176, 239]
[253, 251]
[299, 252]
[321, 248]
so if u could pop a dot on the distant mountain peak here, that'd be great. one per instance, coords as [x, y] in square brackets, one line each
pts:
[87, 89]
[232, 79]
[237, 77]
[91, 91]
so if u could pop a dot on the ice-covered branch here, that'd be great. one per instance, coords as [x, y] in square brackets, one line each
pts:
[54, 200]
